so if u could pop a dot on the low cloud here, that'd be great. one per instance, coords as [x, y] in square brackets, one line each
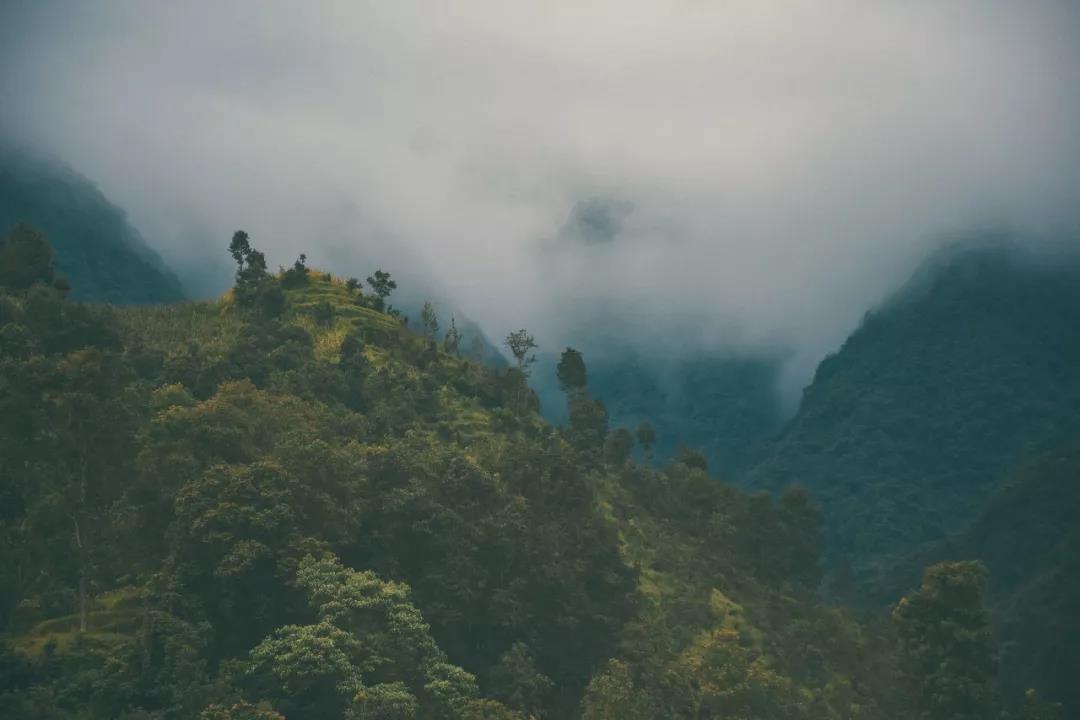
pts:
[732, 175]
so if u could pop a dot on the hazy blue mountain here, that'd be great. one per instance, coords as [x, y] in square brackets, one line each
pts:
[914, 423]
[725, 406]
[96, 247]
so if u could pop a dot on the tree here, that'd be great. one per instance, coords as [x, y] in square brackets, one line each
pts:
[520, 344]
[366, 629]
[518, 683]
[25, 258]
[588, 419]
[612, 695]
[297, 275]
[352, 285]
[323, 314]
[946, 647]
[718, 677]
[382, 286]
[452, 340]
[618, 446]
[646, 437]
[691, 458]
[240, 248]
[429, 320]
[571, 370]
[254, 288]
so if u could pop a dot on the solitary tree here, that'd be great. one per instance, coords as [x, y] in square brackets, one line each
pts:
[429, 320]
[520, 344]
[254, 287]
[240, 248]
[452, 341]
[382, 286]
[571, 370]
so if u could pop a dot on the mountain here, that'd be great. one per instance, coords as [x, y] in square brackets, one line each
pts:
[285, 502]
[96, 247]
[908, 430]
[1028, 537]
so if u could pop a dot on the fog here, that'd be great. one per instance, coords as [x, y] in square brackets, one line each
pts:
[692, 175]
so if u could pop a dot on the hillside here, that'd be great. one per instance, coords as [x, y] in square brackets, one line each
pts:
[99, 251]
[284, 502]
[908, 430]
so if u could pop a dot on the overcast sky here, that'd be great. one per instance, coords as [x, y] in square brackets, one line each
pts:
[734, 174]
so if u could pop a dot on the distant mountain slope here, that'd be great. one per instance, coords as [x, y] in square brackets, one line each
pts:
[1028, 536]
[95, 246]
[724, 406]
[908, 429]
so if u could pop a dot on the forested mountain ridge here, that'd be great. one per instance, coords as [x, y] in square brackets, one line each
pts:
[102, 255]
[286, 503]
[910, 427]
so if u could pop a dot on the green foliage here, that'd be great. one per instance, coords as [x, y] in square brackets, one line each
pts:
[240, 711]
[588, 419]
[381, 284]
[617, 447]
[429, 321]
[25, 259]
[571, 370]
[521, 344]
[213, 511]
[947, 650]
[612, 695]
[518, 683]
[369, 652]
[297, 275]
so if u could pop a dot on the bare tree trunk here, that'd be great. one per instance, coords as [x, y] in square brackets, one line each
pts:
[83, 602]
[82, 575]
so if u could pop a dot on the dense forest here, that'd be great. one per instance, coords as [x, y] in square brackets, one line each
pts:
[294, 502]
[947, 426]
